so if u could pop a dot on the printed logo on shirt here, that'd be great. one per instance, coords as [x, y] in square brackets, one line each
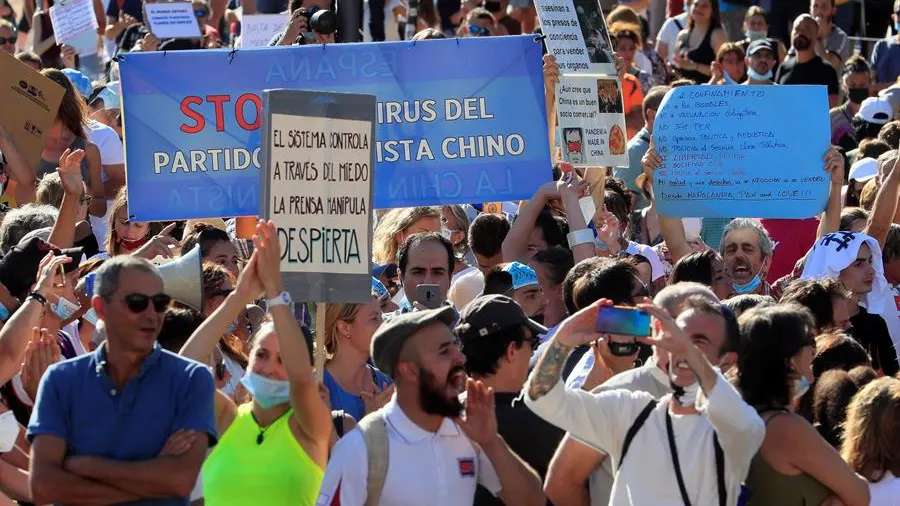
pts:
[466, 466]
[335, 500]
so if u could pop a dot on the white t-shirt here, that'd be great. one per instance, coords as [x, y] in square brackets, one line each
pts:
[112, 152]
[885, 492]
[424, 468]
[647, 477]
[669, 34]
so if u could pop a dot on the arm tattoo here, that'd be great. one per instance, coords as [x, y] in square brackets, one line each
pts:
[549, 369]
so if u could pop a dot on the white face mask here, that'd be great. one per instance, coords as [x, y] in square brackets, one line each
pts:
[64, 308]
[91, 317]
[9, 431]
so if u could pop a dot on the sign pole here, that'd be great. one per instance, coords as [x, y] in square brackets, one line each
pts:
[319, 343]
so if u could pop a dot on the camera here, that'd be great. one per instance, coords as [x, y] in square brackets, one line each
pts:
[321, 20]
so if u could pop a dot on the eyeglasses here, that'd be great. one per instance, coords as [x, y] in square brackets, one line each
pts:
[138, 302]
[479, 31]
[7, 40]
[225, 292]
[201, 13]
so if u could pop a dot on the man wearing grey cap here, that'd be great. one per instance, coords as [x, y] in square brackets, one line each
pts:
[432, 449]
[498, 340]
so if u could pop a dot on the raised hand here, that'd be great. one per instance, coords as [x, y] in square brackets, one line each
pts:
[160, 245]
[551, 71]
[150, 42]
[480, 421]
[268, 265]
[581, 327]
[374, 400]
[40, 353]
[668, 336]
[68, 54]
[249, 287]
[609, 232]
[49, 280]
[69, 171]
[834, 165]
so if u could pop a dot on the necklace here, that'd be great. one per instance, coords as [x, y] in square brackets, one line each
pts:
[263, 430]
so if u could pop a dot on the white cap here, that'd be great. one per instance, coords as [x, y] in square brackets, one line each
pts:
[864, 170]
[876, 110]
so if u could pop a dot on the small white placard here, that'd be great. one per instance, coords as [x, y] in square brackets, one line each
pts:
[172, 20]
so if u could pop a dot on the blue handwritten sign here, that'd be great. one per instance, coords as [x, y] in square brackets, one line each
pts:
[748, 151]
[446, 133]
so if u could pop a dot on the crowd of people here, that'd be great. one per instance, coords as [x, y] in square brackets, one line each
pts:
[768, 375]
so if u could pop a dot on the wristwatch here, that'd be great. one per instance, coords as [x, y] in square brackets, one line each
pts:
[282, 299]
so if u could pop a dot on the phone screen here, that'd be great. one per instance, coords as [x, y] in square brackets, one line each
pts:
[428, 296]
[626, 321]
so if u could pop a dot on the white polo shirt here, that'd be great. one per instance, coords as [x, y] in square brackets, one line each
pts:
[424, 468]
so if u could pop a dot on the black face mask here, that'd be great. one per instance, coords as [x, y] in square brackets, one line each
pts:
[432, 398]
[622, 349]
[491, 6]
[857, 95]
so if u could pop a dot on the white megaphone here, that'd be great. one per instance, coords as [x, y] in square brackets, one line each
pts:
[183, 278]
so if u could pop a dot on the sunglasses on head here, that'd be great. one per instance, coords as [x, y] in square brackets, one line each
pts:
[7, 40]
[138, 302]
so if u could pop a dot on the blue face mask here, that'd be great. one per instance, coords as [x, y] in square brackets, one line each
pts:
[748, 287]
[756, 76]
[897, 26]
[800, 387]
[231, 327]
[64, 308]
[266, 392]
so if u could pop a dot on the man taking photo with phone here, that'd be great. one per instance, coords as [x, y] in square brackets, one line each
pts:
[711, 435]
[426, 267]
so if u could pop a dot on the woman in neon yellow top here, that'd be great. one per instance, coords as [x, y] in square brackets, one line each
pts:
[276, 449]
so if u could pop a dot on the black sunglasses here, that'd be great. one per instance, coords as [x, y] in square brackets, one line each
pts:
[7, 40]
[200, 13]
[138, 302]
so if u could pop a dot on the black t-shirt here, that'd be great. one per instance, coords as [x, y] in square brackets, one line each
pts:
[134, 8]
[131, 36]
[815, 71]
[872, 333]
[528, 435]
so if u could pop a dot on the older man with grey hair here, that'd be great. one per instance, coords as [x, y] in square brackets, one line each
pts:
[576, 463]
[130, 422]
[747, 251]
[17, 223]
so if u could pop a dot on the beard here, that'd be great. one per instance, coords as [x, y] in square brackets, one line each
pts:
[801, 43]
[432, 397]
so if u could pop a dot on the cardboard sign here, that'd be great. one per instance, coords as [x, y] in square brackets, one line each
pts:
[172, 20]
[30, 102]
[75, 24]
[318, 161]
[592, 121]
[258, 29]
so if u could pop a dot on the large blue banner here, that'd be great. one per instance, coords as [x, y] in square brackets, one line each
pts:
[459, 121]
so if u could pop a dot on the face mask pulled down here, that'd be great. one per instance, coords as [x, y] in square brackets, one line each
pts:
[685, 396]
[266, 392]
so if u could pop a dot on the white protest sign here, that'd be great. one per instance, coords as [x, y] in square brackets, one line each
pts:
[575, 33]
[591, 121]
[75, 24]
[258, 29]
[317, 187]
[172, 20]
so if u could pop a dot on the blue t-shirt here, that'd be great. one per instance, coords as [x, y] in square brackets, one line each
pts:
[352, 404]
[886, 60]
[78, 402]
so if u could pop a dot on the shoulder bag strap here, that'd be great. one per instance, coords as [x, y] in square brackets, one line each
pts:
[635, 427]
[674, 451]
[374, 432]
[720, 470]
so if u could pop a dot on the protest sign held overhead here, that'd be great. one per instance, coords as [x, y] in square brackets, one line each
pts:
[576, 34]
[258, 29]
[445, 135]
[75, 24]
[317, 188]
[731, 151]
[591, 121]
[172, 20]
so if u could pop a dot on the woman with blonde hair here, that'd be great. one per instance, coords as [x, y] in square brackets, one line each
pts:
[354, 386]
[397, 225]
[872, 439]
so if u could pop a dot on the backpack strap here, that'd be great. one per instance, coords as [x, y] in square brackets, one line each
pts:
[635, 427]
[678, 24]
[337, 419]
[720, 470]
[374, 431]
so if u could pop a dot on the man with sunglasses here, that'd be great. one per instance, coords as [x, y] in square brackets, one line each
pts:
[130, 422]
[7, 37]
[498, 340]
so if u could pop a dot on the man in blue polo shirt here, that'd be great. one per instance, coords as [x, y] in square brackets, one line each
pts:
[129, 423]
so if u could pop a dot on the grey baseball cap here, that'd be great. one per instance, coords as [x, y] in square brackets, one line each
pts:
[393, 334]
